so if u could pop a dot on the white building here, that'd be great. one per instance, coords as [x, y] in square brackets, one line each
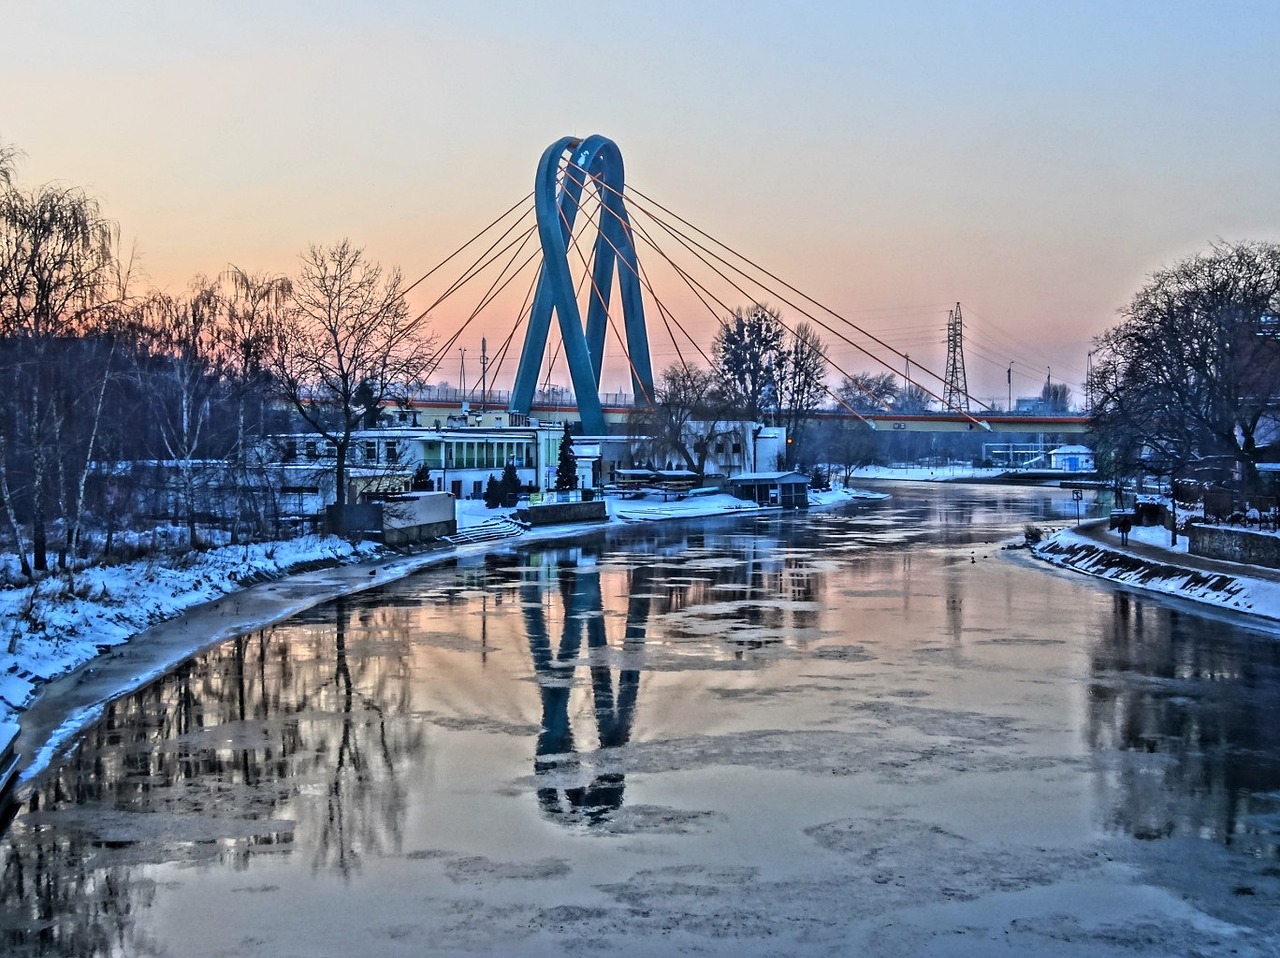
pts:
[1072, 459]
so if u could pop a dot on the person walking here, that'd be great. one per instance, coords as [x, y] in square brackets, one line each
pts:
[1125, 526]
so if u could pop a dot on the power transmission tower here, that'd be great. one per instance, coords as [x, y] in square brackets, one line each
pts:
[956, 387]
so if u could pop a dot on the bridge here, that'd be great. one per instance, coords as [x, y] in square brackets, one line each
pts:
[587, 227]
[616, 408]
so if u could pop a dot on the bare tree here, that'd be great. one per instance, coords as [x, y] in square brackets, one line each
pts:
[912, 399]
[248, 336]
[8, 158]
[802, 386]
[1193, 368]
[867, 392]
[347, 345]
[184, 383]
[848, 443]
[1055, 397]
[688, 417]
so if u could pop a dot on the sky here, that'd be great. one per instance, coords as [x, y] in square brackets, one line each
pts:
[1034, 161]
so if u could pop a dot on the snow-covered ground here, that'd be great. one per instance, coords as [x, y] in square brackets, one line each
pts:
[948, 473]
[1159, 566]
[50, 629]
[57, 626]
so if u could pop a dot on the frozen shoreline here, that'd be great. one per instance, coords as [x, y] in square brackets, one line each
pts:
[1151, 564]
[61, 676]
[155, 613]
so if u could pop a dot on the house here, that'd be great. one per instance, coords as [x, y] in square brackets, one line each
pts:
[787, 489]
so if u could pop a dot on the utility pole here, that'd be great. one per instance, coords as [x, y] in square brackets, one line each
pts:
[1088, 383]
[484, 378]
[1009, 379]
[462, 371]
[956, 386]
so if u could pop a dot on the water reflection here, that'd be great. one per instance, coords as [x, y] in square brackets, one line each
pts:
[577, 585]
[228, 758]
[302, 748]
[1184, 716]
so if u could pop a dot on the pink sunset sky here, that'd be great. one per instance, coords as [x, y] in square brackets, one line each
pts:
[1034, 161]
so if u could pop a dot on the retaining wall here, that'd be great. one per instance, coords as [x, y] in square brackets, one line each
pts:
[555, 513]
[1234, 545]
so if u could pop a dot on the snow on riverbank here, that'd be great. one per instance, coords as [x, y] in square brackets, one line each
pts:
[52, 630]
[1168, 571]
[952, 472]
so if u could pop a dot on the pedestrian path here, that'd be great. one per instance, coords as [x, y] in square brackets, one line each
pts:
[1098, 532]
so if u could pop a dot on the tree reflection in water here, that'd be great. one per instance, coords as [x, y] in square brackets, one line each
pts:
[1185, 720]
[245, 747]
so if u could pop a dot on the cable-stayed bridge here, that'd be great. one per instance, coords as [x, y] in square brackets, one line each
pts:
[561, 252]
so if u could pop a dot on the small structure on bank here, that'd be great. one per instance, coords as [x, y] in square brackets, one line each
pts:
[1072, 459]
[790, 490]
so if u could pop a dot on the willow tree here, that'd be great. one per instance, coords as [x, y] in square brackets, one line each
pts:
[248, 336]
[347, 345]
[57, 270]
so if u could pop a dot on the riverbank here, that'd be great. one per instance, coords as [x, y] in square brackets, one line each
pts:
[121, 626]
[1151, 563]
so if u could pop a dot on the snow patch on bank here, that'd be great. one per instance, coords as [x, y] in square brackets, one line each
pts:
[1242, 593]
[57, 624]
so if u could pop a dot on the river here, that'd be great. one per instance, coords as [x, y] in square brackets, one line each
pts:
[869, 731]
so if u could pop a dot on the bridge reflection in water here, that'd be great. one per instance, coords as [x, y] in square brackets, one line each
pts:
[558, 764]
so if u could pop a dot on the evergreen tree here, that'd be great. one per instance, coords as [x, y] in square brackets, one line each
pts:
[509, 485]
[492, 493]
[567, 467]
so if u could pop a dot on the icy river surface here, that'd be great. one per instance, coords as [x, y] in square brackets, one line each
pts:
[863, 732]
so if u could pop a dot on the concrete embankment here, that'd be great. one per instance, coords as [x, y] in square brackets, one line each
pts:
[1142, 565]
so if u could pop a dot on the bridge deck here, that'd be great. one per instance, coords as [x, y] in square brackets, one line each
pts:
[921, 422]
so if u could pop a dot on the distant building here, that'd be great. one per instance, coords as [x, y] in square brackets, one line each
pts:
[1072, 459]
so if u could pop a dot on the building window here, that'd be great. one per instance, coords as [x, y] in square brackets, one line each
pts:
[290, 451]
[371, 450]
[737, 449]
[393, 451]
[312, 452]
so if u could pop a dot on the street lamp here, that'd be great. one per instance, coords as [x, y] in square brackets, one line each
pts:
[1009, 379]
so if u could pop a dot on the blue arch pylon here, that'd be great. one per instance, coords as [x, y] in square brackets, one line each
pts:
[556, 202]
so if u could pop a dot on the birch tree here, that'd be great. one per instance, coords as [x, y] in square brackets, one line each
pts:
[184, 384]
